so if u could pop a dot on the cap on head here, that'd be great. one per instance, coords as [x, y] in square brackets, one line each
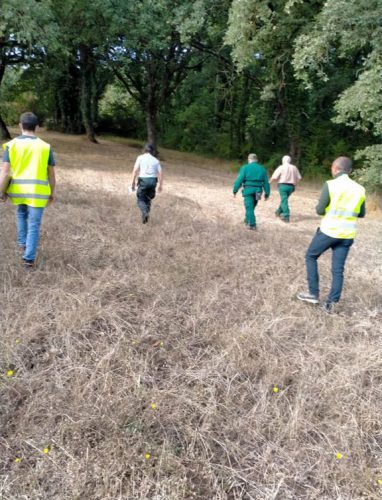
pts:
[252, 157]
[28, 121]
[342, 164]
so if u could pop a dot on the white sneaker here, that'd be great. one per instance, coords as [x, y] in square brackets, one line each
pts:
[307, 297]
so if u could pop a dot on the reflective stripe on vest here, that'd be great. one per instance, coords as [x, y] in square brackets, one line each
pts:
[342, 213]
[30, 181]
[346, 199]
[29, 164]
[31, 196]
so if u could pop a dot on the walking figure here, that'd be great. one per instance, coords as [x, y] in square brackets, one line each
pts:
[28, 162]
[148, 171]
[341, 202]
[287, 176]
[254, 179]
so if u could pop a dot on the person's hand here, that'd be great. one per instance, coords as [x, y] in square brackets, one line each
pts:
[160, 188]
[52, 199]
[3, 198]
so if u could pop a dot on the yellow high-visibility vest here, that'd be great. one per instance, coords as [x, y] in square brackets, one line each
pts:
[346, 199]
[29, 184]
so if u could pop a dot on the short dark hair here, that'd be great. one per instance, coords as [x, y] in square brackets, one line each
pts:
[29, 121]
[344, 164]
[149, 148]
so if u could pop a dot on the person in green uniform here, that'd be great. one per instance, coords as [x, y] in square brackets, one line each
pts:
[254, 179]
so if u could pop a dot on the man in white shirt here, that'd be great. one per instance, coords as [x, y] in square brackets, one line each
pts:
[287, 176]
[148, 170]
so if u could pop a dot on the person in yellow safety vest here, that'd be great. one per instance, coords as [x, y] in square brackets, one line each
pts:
[28, 162]
[341, 202]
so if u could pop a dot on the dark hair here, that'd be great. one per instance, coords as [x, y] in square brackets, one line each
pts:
[29, 121]
[344, 164]
[149, 148]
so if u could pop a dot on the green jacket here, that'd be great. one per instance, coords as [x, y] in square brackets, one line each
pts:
[254, 179]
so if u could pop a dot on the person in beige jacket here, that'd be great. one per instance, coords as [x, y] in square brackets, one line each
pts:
[287, 176]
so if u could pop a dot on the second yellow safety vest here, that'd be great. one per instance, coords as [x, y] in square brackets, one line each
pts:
[346, 199]
[29, 184]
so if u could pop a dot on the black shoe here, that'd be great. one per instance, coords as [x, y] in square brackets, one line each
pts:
[307, 297]
[29, 264]
[252, 228]
[277, 214]
[145, 219]
[284, 219]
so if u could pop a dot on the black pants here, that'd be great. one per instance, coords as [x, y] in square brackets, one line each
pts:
[146, 193]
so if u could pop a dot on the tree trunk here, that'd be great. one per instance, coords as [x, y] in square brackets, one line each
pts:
[86, 92]
[242, 113]
[294, 149]
[151, 127]
[4, 132]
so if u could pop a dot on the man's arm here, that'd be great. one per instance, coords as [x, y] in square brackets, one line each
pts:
[275, 175]
[4, 179]
[52, 183]
[135, 173]
[362, 211]
[134, 178]
[324, 200]
[267, 187]
[239, 181]
[160, 181]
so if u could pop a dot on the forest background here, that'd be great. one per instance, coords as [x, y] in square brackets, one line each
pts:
[217, 77]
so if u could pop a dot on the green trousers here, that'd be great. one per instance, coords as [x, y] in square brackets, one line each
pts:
[250, 202]
[285, 191]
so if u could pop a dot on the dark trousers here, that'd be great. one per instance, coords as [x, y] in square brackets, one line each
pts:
[146, 193]
[340, 249]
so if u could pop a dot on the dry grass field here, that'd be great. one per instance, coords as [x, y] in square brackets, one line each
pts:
[170, 361]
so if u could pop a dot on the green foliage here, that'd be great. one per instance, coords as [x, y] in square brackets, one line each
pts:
[218, 77]
[119, 113]
[25, 27]
[360, 106]
[343, 31]
[370, 175]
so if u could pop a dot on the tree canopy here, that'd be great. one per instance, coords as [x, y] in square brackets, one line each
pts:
[218, 77]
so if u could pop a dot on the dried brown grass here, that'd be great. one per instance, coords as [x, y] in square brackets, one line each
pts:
[195, 314]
